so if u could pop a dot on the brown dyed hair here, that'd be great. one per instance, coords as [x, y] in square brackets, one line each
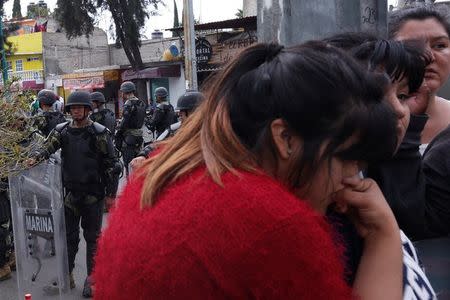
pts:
[320, 92]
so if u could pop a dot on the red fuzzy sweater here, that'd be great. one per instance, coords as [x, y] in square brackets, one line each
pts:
[251, 239]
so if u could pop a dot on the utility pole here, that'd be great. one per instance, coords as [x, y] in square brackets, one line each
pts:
[190, 57]
[2, 49]
[291, 22]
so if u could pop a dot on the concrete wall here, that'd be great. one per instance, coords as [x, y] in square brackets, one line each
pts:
[249, 8]
[177, 87]
[62, 56]
[151, 51]
[291, 22]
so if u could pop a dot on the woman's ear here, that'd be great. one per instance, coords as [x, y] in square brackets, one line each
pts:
[285, 141]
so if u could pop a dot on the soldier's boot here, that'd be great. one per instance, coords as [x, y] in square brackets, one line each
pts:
[87, 289]
[5, 272]
[12, 261]
[71, 281]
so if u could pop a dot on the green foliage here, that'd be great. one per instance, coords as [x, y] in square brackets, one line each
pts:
[239, 14]
[176, 21]
[8, 30]
[17, 10]
[77, 17]
[35, 11]
[15, 129]
[1, 7]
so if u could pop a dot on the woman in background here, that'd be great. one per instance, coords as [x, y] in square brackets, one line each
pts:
[233, 205]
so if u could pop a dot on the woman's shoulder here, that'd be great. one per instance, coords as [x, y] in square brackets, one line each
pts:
[259, 191]
[242, 197]
[442, 107]
[244, 200]
[443, 103]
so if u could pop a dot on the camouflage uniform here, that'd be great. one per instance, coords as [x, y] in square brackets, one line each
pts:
[90, 169]
[105, 117]
[44, 122]
[129, 133]
[7, 257]
[5, 231]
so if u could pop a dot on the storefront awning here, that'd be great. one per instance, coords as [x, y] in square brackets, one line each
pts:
[96, 82]
[249, 23]
[89, 80]
[155, 72]
[32, 85]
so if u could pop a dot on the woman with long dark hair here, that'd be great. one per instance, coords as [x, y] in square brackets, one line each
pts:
[400, 177]
[431, 25]
[232, 206]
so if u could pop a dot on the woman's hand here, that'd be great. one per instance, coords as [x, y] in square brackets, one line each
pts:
[364, 203]
[379, 274]
[419, 103]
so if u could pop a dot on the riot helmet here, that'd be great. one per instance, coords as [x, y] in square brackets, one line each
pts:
[46, 97]
[127, 87]
[161, 92]
[78, 98]
[189, 100]
[97, 96]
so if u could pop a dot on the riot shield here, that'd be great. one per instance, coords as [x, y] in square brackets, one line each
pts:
[39, 231]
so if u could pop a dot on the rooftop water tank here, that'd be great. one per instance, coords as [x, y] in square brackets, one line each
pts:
[157, 35]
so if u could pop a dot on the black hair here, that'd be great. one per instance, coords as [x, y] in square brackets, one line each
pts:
[322, 94]
[349, 40]
[398, 59]
[399, 17]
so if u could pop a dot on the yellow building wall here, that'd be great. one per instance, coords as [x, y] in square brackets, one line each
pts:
[28, 48]
[27, 64]
[26, 43]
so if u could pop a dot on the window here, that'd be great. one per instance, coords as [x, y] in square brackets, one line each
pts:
[155, 83]
[33, 58]
[19, 65]
[9, 65]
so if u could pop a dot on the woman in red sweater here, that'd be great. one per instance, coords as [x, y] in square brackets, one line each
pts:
[232, 206]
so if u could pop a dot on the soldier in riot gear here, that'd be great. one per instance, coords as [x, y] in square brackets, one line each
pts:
[90, 169]
[5, 231]
[164, 114]
[186, 105]
[100, 113]
[129, 133]
[7, 255]
[46, 120]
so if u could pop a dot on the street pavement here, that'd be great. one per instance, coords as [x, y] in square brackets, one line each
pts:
[8, 288]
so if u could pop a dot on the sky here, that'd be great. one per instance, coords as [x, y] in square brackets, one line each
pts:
[204, 10]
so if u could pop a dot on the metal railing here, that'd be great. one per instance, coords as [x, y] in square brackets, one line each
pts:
[28, 75]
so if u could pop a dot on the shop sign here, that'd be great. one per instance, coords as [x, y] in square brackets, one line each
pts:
[111, 75]
[84, 83]
[228, 49]
[83, 75]
[203, 50]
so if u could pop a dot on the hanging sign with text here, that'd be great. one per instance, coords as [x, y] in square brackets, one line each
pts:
[203, 51]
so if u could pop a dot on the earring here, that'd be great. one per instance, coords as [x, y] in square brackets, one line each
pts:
[289, 151]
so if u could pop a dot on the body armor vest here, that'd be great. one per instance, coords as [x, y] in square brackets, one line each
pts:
[105, 117]
[81, 167]
[52, 119]
[134, 114]
[169, 116]
[5, 209]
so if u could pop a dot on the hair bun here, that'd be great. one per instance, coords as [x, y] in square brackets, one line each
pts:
[272, 50]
